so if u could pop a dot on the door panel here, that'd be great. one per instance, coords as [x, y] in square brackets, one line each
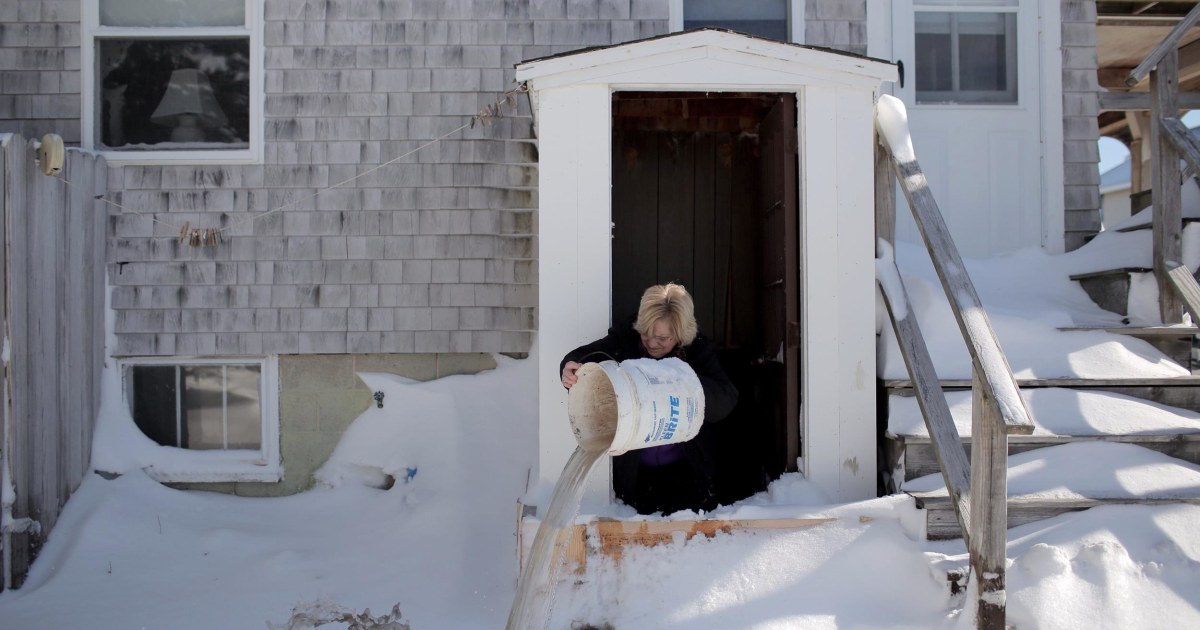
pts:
[984, 162]
[779, 278]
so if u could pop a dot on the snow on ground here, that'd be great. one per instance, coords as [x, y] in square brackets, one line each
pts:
[131, 553]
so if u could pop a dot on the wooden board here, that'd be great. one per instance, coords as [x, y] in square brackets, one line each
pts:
[919, 458]
[53, 314]
[941, 524]
[611, 537]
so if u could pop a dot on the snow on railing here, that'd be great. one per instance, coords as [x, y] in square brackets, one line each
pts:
[998, 409]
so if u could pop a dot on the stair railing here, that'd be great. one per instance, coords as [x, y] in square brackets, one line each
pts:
[1169, 141]
[979, 493]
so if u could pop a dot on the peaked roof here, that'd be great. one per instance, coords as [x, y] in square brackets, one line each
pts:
[711, 38]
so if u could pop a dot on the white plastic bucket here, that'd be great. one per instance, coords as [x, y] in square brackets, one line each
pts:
[635, 404]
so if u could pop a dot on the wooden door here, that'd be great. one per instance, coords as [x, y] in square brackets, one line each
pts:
[705, 193]
[778, 280]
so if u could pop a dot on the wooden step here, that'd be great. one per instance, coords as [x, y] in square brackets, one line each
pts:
[1174, 341]
[941, 524]
[1148, 224]
[919, 459]
[1178, 391]
[1109, 289]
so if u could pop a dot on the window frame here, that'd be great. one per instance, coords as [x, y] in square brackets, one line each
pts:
[93, 32]
[215, 465]
[1013, 71]
[795, 19]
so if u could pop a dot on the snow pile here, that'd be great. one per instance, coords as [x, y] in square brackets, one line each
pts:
[1029, 297]
[131, 553]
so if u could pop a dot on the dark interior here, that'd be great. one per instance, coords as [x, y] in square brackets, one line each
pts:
[704, 194]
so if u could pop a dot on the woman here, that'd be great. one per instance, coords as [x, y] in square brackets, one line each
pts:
[671, 477]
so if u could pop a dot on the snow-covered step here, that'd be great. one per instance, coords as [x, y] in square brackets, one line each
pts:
[1067, 478]
[1060, 416]
[1173, 341]
[1109, 289]
[1175, 391]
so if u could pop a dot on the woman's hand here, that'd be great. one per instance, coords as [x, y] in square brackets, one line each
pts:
[568, 375]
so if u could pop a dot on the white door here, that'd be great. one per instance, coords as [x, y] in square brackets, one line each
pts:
[971, 87]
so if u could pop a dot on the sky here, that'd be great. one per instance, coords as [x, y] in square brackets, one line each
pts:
[1113, 152]
[439, 547]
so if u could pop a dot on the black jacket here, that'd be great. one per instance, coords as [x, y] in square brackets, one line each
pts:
[720, 397]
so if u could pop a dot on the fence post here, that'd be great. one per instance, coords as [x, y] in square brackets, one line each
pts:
[989, 507]
[1166, 180]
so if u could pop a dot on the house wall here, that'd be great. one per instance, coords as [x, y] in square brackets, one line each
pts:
[840, 24]
[432, 257]
[1081, 155]
[39, 68]
[430, 261]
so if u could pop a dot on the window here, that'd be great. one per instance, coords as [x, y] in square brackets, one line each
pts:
[173, 81]
[966, 51]
[773, 19]
[221, 412]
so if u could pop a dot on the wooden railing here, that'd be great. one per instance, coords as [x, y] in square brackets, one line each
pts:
[978, 490]
[1169, 142]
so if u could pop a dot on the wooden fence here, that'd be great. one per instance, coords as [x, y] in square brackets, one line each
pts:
[53, 324]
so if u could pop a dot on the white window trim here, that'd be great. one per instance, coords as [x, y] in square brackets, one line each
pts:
[174, 464]
[795, 19]
[92, 30]
[918, 7]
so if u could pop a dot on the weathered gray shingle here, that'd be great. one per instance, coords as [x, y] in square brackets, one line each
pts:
[433, 253]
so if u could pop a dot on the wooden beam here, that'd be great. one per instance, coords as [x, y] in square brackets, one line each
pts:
[989, 507]
[1135, 101]
[1168, 46]
[1189, 291]
[1166, 181]
[885, 194]
[1113, 78]
[1185, 143]
[1090, 383]
[613, 536]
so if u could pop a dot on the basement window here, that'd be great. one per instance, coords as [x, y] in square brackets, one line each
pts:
[966, 51]
[173, 81]
[219, 415]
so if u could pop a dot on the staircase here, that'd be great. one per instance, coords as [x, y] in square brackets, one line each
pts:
[911, 456]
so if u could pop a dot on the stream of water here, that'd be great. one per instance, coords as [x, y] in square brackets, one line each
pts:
[532, 603]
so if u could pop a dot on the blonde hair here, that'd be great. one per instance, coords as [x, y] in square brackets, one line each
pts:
[672, 303]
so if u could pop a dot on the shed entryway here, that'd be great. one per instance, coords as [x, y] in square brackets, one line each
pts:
[611, 119]
[704, 194]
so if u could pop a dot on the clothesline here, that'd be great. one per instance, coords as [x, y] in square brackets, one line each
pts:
[211, 237]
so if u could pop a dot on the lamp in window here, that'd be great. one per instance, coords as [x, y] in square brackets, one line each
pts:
[188, 106]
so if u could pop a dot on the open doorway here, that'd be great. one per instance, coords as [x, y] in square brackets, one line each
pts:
[704, 193]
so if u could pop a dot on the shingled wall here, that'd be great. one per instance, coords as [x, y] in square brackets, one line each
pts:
[432, 254]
